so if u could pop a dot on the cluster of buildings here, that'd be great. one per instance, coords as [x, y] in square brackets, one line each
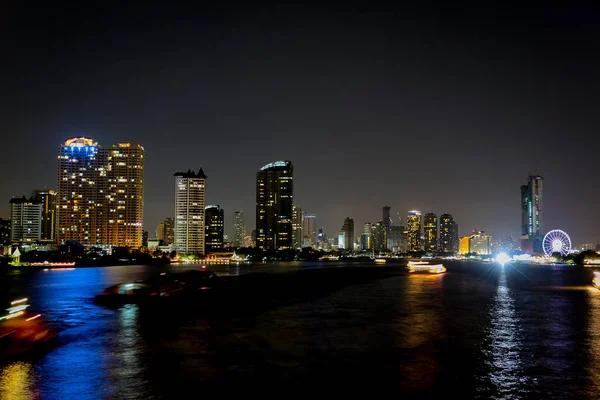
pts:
[99, 202]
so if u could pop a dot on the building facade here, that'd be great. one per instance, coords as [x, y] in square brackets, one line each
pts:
[165, 232]
[25, 220]
[387, 219]
[532, 214]
[309, 230]
[274, 199]
[414, 231]
[430, 231]
[397, 239]
[4, 232]
[448, 239]
[100, 193]
[48, 200]
[480, 243]
[296, 227]
[347, 235]
[190, 201]
[215, 220]
[239, 229]
[379, 237]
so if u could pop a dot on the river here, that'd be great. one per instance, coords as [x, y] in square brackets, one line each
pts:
[477, 331]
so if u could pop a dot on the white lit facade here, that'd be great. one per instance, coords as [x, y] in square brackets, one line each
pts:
[190, 200]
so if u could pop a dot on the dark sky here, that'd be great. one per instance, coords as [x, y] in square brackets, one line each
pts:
[442, 108]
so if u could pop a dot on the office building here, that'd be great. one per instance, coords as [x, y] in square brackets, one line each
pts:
[296, 227]
[397, 239]
[239, 229]
[448, 239]
[366, 241]
[414, 231]
[532, 216]
[48, 200]
[25, 220]
[464, 245]
[100, 193]
[165, 232]
[387, 219]
[430, 231]
[379, 237]
[480, 243]
[347, 235]
[215, 222]
[274, 199]
[4, 232]
[190, 201]
[309, 233]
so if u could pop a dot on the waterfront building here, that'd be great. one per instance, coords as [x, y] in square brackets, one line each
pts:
[48, 200]
[414, 231]
[397, 239]
[464, 245]
[214, 217]
[297, 223]
[430, 231]
[532, 216]
[144, 238]
[448, 242]
[239, 229]
[480, 243]
[309, 226]
[365, 241]
[347, 234]
[165, 232]
[190, 201]
[379, 236]
[100, 193]
[274, 199]
[248, 242]
[387, 219]
[4, 232]
[26, 220]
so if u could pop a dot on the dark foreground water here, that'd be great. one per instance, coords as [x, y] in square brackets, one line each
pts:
[474, 332]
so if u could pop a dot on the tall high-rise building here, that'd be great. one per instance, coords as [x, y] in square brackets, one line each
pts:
[296, 227]
[448, 242]
[480, 243]
[397, 239]
[387, 219]
[100, 193]
[366, 241]
[414, 231]
[464, 245]
[430, 230]
[239, 229]
[274, 199]
[379, 237]
[347, 234]
[309, 230]
[4, 232]
[48, 200]
[215, 221]
[164, 232]
[532, 217]
[190, 200]
[26, 220]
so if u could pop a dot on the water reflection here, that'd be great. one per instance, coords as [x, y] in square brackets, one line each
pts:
[17, 381]
[593, 365]
[503, 346]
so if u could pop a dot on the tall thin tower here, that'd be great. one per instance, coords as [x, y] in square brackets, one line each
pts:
[190, 200]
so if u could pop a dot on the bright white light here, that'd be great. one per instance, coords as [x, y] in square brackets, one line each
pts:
[557, 245]
[502, 258]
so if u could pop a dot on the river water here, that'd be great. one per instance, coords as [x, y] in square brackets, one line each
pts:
[478, 331]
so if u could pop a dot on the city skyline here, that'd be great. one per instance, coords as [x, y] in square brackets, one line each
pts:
[475, 110]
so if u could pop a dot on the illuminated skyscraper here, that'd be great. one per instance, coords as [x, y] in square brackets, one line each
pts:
[190, 200]
[239, 229]
[480, 243]
[274, 199]
[165, 231]
[532, 217]
[215, 220]
[430, 230]
[448, 234]
[26, 220]
[100, 193]
[379, 237]
[309, 230]
[347, 234]
[414, 231]
[296, 227]
[48, 200]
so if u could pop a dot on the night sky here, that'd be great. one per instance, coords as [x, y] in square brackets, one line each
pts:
[439, 108]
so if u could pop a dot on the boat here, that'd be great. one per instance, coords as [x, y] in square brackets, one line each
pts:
[52, 264]
[328, 257]
[596, 280]
[380, 261]
[157, 290]
[22, 331]
[418, 267]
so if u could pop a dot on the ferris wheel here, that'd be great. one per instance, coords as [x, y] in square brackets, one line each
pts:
[556, 241]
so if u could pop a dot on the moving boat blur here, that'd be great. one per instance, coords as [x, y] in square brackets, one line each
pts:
[380, 261]
[22, 331]
[420, 267]
[158, 289]
[596, 280]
